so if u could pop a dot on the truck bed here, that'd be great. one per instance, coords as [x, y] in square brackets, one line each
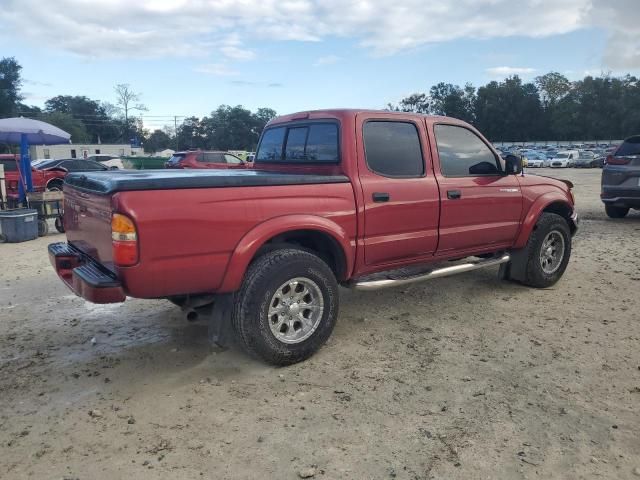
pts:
[135, 180]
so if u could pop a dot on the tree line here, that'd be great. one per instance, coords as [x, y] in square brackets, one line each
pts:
[549, 108]
[95, 121]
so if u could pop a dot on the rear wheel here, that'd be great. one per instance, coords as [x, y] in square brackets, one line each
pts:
[616, 212]
[287, 306]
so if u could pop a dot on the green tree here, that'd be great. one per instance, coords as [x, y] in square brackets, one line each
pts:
[230, 128]
[453, 101]
[158, 140]
[69, 124]
[10, 84]
[261, 117]
[414, 103]
[100, 126]
[191, 134]
[509, 110]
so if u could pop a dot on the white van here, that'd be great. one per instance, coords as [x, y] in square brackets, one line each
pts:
[564, 158]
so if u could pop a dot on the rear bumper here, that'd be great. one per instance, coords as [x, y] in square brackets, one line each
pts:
[84, 276]
[621, 197]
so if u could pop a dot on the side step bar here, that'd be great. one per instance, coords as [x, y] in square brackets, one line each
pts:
[367, 285]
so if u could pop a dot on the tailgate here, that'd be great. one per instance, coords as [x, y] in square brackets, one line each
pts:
[87, 221]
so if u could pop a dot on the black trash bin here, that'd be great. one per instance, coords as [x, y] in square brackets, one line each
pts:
[18, 225]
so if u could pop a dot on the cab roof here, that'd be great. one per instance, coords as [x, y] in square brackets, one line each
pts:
[343, 113]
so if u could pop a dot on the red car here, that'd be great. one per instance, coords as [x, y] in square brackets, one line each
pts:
[42, 179]
[202, 159]
[363, 199]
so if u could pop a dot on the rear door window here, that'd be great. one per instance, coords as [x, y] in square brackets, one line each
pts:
[212, 157]
[392, 149]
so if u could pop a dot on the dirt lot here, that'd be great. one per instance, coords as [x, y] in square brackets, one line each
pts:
[463, 377]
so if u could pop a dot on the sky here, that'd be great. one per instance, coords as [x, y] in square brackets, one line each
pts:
[186, 57]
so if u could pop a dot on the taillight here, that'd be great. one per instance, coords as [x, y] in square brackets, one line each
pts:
[611, 160]
[124, 239]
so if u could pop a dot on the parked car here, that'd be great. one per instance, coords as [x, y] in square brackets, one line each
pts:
[65, 165]
[536, 160]
[621, 179]
[550, 154]
[202, 159]
[41, 180]
[107, 160]
[563, 159]
[586, 159]
[349, 197]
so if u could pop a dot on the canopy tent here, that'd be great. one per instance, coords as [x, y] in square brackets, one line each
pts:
[26, 131]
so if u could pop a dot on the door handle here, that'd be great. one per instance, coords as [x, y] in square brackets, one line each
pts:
[380, 197]
[454, 194]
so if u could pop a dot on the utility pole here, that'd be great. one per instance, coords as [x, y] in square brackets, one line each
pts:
[175, 130]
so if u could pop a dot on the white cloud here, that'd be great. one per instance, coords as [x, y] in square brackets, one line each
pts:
[217, 69]
[327, 60]
[237, 53]
[508, 71]
[154, 28]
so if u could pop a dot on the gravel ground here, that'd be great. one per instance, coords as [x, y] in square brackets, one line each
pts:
[462, 377]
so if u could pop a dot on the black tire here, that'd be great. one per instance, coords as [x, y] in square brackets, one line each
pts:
[252, 302]
[616, 212]
[59, 224]
[43, 228]
[535, 274]
[55, 186]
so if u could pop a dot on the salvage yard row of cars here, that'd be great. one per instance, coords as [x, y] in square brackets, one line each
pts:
[579, 156]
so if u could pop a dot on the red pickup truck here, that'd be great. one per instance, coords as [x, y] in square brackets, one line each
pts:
[362, 199]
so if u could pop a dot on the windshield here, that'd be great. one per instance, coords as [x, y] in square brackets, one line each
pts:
[176, 158]
[45, 164]
[562, 155]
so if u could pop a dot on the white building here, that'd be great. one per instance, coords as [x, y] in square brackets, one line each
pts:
[82, 150]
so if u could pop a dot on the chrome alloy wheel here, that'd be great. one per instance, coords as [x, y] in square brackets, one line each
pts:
[295, 310]
[552, 252]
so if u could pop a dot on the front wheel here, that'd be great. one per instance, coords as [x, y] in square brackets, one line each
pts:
[616, 212]
[287, 306]
[547, 252]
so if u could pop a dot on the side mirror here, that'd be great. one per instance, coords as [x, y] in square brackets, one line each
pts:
[513, 164]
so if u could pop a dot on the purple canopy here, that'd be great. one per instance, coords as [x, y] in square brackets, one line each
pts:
[25, 132]
[37, 132]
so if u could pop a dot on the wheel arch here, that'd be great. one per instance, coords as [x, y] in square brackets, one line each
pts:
[55, 180]
[550, 203]
[312, 233]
